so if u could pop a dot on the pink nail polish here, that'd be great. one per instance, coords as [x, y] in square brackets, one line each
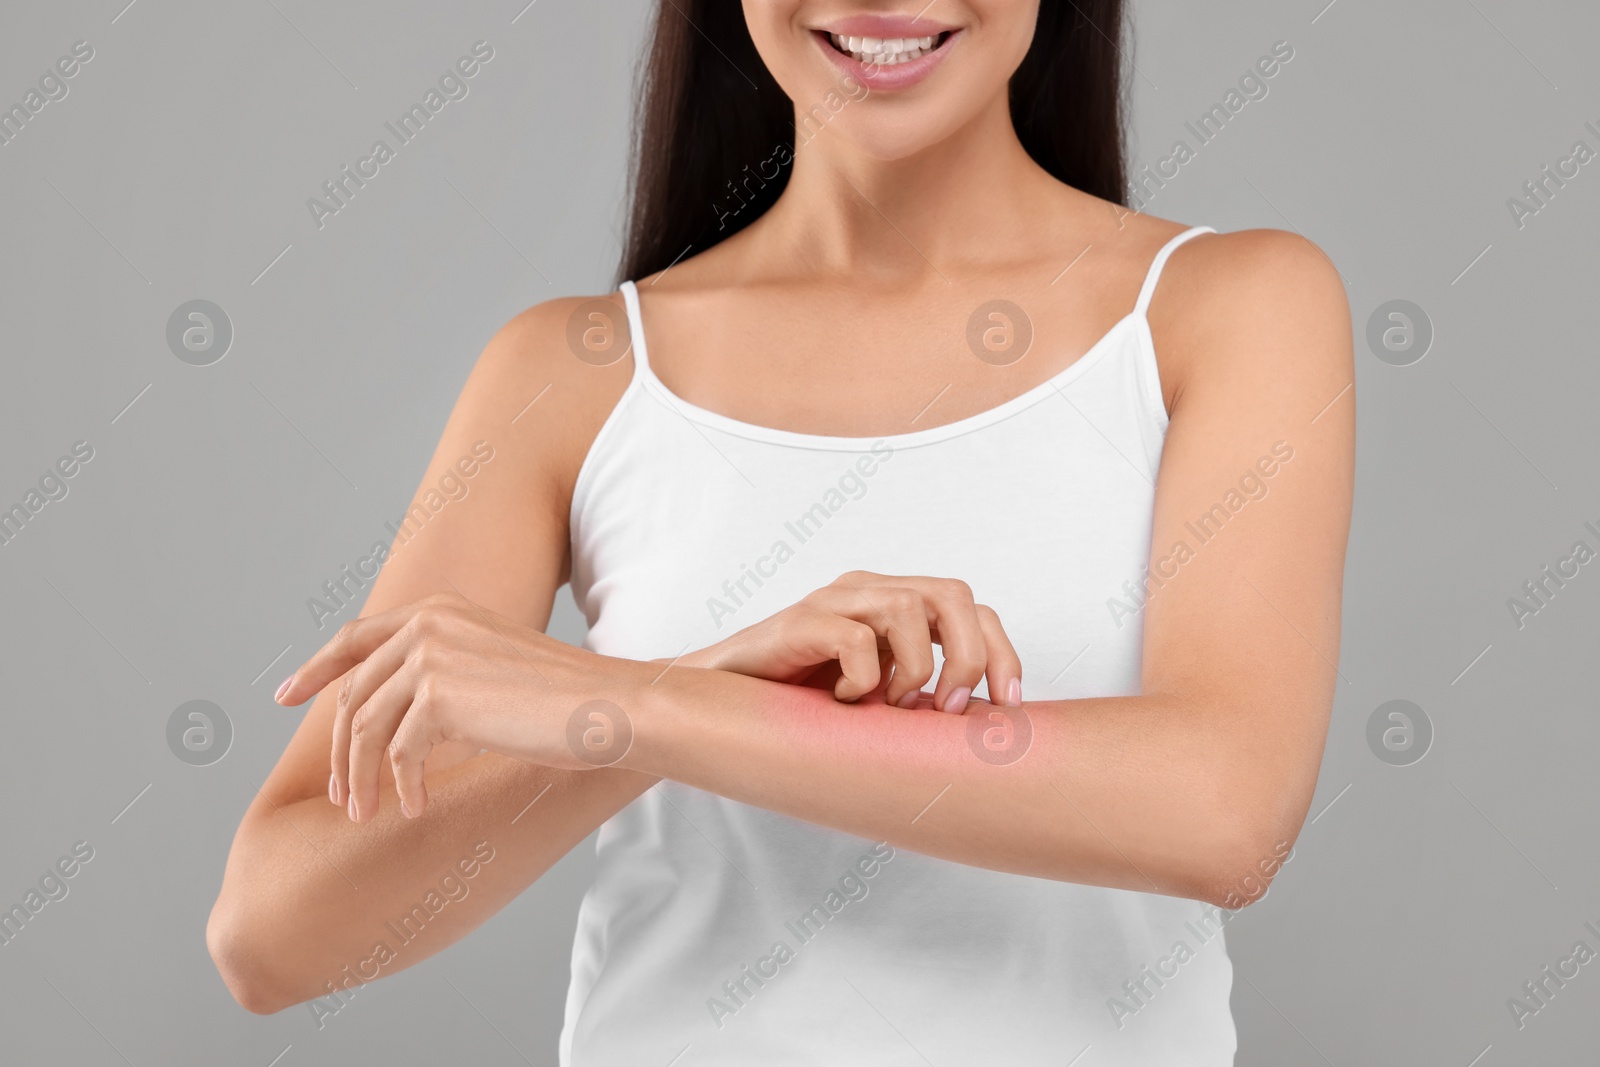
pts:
[351, 808]
[956, 702]
[333, 789]
[403, 809]
[1014, 693]
[910, 699]
[283, 688]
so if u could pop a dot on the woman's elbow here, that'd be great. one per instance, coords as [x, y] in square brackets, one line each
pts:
[1237, 865]
[240, 957]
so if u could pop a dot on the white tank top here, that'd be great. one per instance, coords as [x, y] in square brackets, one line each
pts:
[723, 934]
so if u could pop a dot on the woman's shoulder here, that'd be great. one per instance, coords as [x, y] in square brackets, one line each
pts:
[1257, 263]
[1228, 262]
[579, 345]
[552, 374]
[1262, 309]
[1244, 269]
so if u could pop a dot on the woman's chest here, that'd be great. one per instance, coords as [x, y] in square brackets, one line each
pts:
[669, 564]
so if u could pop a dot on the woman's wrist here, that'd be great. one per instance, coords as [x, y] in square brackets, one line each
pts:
[671, 713]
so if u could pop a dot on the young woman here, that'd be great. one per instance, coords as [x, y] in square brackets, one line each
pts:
[962, 555]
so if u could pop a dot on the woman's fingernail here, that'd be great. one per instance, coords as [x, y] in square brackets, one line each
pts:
[351, 808]
[909, 700]
[403, 809]
[956, 702]
[283, 688]
[1014, 693]
[333, 789]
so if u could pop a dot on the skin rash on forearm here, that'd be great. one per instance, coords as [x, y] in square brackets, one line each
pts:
[1076, 805]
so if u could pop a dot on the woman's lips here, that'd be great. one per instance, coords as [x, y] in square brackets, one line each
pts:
[888, 76]
[886, 26]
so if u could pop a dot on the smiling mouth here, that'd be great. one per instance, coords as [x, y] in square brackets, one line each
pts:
[886, 52]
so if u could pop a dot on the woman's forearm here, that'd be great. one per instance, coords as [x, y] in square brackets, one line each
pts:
[1145, 793]
[314, 905]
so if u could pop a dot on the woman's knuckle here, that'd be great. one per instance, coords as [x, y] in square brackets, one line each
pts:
[957, 589]
[410, 632]
[903, 601]
[861, 637]
[345, 635]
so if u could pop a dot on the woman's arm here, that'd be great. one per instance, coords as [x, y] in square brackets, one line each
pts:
[1195, 787]
[308, 893]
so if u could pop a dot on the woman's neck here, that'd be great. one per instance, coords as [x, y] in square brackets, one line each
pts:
[975, 196]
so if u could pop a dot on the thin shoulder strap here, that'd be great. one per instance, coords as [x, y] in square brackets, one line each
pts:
[630, 300]
[1160, 261]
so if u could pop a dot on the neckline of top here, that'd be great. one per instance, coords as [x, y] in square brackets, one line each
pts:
[645, 374]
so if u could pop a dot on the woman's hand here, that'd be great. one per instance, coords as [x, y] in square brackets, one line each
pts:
[444, 669]
[848, 635]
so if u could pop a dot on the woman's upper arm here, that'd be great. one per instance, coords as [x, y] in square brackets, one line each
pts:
[490, 517]
[1252, 512]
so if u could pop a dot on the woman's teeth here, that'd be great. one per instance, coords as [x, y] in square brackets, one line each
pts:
[879, 51]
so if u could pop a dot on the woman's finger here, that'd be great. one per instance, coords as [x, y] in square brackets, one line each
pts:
[408, 752]
[353, 642]
[339, 758]
[373, 724]
[814, 632]
[899, 615]
[360, 682]
[860, 664]
[1004, 669]
[902, 619]
[962, 637]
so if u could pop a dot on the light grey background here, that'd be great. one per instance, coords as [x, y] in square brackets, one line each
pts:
[1419, 899]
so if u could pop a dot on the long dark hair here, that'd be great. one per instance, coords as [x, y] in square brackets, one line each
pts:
[713, 134]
